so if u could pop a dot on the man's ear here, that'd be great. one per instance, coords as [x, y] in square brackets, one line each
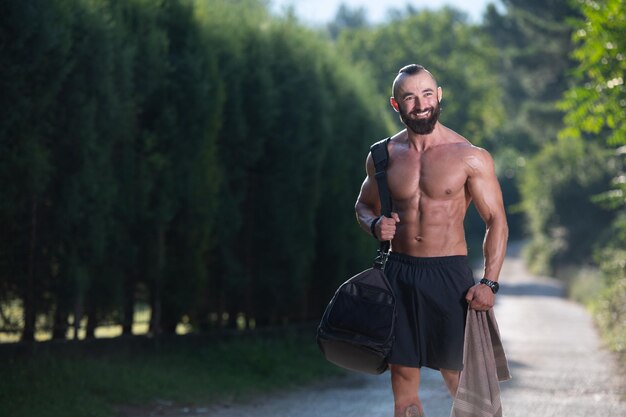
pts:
[439, 94]
[394, 104]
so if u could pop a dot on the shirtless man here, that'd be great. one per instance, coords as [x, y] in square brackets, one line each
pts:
[433, 175]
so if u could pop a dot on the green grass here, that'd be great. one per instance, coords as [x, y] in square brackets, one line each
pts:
[583, 284]
[606, 302]
[609, 311]
[56, 384]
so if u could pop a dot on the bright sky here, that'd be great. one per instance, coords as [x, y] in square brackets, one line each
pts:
[322, 11]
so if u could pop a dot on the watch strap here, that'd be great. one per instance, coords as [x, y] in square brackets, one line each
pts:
[491, 284]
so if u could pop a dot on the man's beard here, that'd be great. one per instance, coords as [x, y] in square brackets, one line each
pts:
[421, 126]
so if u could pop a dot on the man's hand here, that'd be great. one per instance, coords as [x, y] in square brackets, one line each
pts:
[480, 297]
[386, 227]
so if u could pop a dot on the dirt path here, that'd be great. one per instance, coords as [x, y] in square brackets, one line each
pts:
[559, 367]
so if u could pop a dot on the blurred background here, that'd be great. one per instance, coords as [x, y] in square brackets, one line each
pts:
[185, 167]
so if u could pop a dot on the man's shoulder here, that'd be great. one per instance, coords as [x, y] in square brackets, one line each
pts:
[468, 149]
[474, 157]
[465, 146]
[451, 137]
[477, 160]
[400, 136]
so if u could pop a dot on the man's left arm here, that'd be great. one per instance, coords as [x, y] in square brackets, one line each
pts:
[486, 194]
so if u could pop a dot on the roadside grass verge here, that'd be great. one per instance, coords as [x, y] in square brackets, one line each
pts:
[55, 384]
[609, 311]
[606, 301]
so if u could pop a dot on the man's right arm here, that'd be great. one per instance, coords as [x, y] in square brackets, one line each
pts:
[368, 206]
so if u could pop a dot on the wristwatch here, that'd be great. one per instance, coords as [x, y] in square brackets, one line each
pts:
[491, 284]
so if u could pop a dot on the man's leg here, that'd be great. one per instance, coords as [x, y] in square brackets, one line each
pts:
[451, 378]
[405, 383]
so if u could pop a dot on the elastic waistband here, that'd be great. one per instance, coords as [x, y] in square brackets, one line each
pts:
[427, 261]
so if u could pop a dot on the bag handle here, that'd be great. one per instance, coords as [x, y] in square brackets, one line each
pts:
[380, 155]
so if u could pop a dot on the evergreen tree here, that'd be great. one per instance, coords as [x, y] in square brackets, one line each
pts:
[35, 63]
[195, 100]
[533, 38]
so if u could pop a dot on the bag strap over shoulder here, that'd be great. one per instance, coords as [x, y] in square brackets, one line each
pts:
[380, 156]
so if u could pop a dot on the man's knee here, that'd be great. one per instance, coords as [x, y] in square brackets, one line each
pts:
[404, 379]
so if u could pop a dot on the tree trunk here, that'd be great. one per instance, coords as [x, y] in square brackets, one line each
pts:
[129, 305]
[156, 302]
[28, 333]
[59, 323]
[78, 315]
[90, 329]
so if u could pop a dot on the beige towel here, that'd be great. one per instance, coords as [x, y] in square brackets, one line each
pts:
[484, 365]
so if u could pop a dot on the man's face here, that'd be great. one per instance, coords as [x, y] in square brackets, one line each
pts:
[421, 120]
[417, 101]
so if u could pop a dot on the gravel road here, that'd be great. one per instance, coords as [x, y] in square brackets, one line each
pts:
[558, 363]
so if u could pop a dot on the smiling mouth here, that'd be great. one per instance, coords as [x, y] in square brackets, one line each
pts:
[423, 114]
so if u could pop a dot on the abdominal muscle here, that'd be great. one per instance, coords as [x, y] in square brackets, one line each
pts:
[430, 228]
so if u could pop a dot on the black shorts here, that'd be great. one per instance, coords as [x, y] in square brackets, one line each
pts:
[431, 310]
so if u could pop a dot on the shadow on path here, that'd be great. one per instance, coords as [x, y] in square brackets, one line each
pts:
[533, 289]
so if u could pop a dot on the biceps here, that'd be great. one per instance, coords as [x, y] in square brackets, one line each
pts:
[369, 195]
[487, 198]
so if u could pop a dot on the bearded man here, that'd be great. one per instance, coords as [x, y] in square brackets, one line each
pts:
[433, 175]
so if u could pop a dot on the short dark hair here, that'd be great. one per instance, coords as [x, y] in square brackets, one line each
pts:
[411, 69]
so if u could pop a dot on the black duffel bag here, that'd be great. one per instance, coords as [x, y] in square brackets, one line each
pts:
[356, 330]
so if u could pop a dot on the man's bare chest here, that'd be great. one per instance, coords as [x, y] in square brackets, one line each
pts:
[437, 176]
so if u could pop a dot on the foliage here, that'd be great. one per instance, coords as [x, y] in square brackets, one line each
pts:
[180, 154]
[37, 56]
[595, 112]
[532, 63]
[533, 38]
[347, 18]
[610, 307]
[575, 170]
[556, 187]
[596, 105]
